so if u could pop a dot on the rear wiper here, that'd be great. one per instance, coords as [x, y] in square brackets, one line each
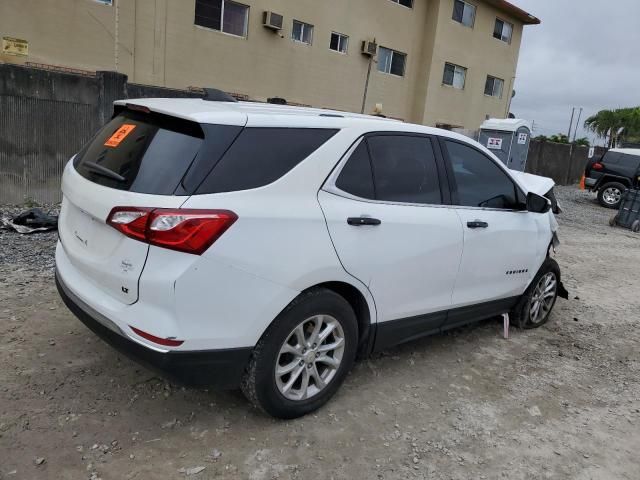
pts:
[105, 172]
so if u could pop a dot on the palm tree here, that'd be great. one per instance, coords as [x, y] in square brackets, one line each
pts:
[559, 138]
[607, 123]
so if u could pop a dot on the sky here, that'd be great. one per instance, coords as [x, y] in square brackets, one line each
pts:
[586, 53]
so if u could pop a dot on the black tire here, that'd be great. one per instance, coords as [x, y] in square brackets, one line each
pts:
[604, 197]
[259, 382]
[521, 314]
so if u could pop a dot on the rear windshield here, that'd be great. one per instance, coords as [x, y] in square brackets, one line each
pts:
[141, 152]
[163, 155]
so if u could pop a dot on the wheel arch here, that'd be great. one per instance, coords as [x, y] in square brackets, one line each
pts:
[608, 178]
[364, 313]
[363, 306]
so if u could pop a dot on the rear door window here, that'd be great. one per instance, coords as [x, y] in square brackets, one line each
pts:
[141, 152]
[631, 161]
[404, 169]
[260, 156]
[611, 157]
[356, 176]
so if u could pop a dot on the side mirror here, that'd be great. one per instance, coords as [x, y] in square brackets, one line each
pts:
[537, 203]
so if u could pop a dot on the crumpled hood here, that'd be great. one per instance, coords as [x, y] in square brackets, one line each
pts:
[541, 186]
[533, 183]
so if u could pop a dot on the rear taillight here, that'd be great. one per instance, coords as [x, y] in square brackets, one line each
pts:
[130, 220]
[186, 230]
[597, 166]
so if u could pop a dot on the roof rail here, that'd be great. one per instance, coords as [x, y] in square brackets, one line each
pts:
[215, 95]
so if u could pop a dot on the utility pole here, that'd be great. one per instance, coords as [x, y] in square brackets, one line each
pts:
[577, 123]
[366, 85]
[573, 111]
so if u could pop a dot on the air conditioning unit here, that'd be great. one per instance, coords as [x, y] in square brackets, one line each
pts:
[369, 48]
[272, 20]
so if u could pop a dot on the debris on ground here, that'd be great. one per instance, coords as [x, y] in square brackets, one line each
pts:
[31, 221]
[191, 471]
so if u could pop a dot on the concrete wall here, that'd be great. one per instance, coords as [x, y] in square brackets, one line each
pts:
[46, 117]
[155, 42]
[563, 162]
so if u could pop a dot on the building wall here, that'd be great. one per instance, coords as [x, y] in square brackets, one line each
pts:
[482, 55]
[156, 42]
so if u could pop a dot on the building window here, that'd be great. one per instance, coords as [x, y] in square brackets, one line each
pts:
[464, 13]
[390, 61]
[339, 42]
[406, 3]
[503, 30]
[302, 32]
[105, 2]
[223, 15]
[454, 75]
[493, 86]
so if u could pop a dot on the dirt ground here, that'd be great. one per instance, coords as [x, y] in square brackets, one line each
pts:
[562, 401]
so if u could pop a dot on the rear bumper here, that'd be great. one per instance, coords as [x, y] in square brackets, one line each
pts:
[215, 368]
[590, 182]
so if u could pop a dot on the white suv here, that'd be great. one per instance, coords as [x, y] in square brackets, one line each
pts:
[263, 246]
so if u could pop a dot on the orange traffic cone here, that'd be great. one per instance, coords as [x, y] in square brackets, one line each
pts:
[582, 187]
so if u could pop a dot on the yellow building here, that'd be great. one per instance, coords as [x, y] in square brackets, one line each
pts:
[437, 62]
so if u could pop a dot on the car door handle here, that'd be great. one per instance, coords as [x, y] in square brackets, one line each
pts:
[477, 224]
[359, 221]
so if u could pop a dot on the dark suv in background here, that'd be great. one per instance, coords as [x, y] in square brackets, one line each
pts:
[611, 175]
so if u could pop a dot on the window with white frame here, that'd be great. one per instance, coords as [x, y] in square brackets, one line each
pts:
[391, 61]
[464, 13]
[503, 30]
[339, 42]
[493, 86]
[223, 15]
[406, 3]
[105, 2]
[454, 75]
[302, 32]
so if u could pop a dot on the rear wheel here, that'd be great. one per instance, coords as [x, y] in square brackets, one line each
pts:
[535, 306]
[304, 356]
[610, 194]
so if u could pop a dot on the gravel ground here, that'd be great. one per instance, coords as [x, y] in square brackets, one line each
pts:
[562, 401]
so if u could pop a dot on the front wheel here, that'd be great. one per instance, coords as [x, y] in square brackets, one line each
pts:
[534, 308]
[304, 356]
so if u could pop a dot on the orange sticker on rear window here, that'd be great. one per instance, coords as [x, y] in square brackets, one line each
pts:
[120, 135]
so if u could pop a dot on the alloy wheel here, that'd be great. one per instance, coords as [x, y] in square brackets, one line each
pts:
[310, 357]
[542, 298]
[611, 195]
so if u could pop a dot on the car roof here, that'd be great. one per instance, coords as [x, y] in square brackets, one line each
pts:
[205, 111]
[254, 114]
[628, 151]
